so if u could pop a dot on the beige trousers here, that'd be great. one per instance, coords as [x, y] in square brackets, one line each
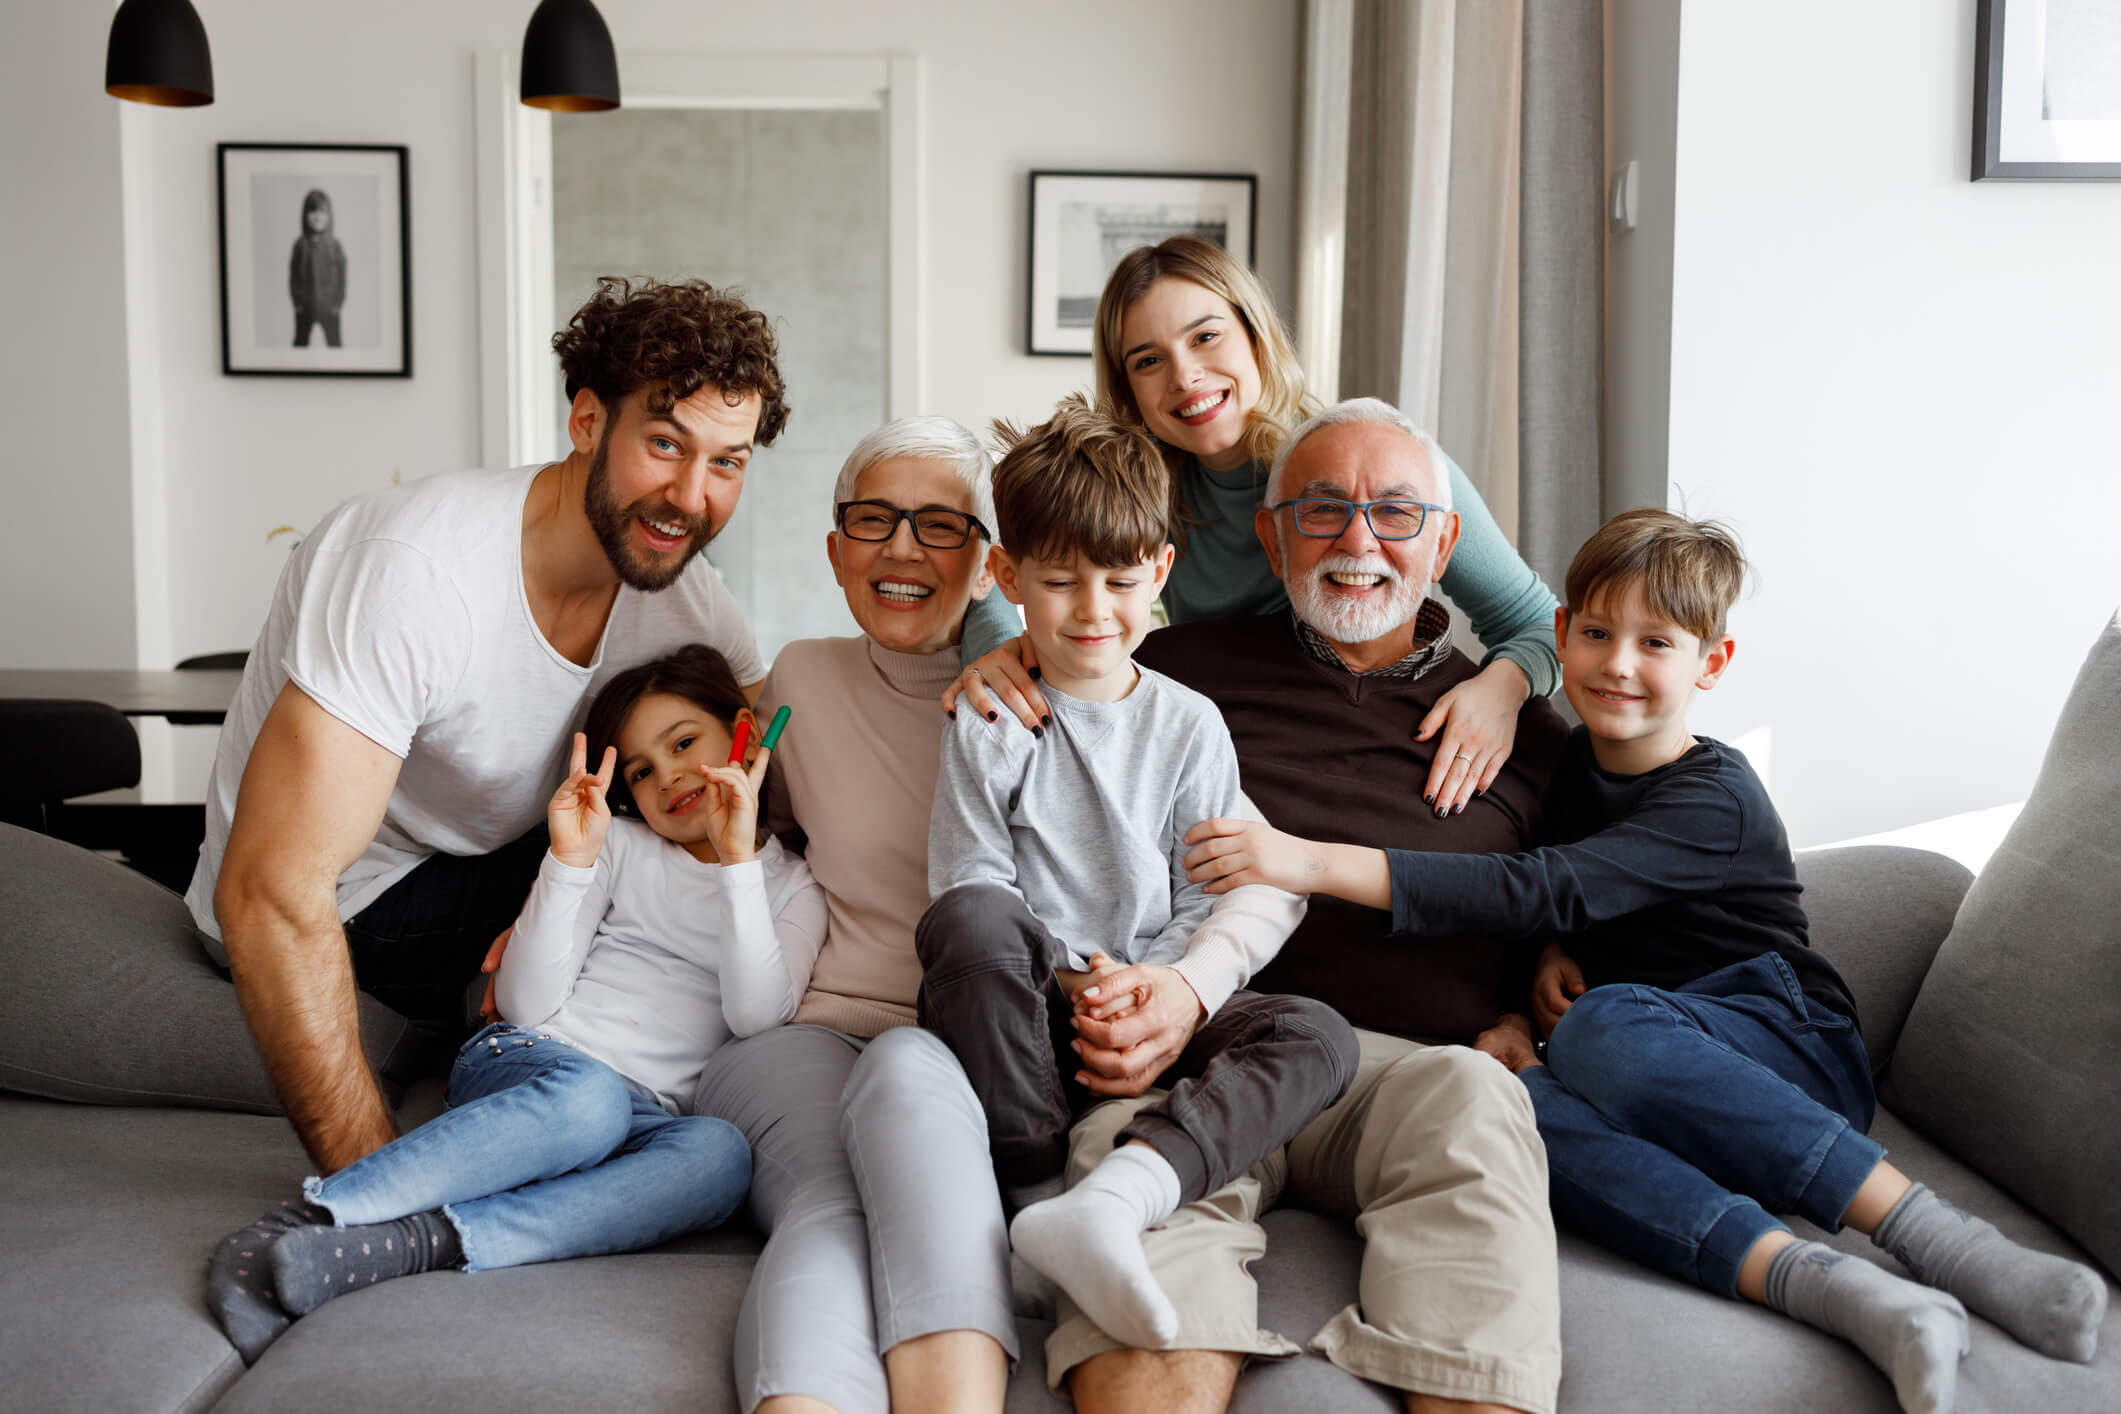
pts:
[1433, 1153]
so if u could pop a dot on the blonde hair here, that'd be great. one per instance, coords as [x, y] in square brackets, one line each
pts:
[1081, 483]
[1690, 570]
[1283, 399]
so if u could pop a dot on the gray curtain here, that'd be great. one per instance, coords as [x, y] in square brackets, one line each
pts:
[1472, 287]
[1561, 282]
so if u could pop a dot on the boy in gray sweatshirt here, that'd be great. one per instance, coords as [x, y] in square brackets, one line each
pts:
[1056, 866]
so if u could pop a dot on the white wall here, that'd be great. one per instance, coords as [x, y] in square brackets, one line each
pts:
[66, 541]
[1902, 388]
[1172, 86]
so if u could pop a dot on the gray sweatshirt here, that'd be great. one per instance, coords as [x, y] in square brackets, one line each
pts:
[1088, 825]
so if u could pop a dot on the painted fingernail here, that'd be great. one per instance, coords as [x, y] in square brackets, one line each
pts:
[1047, 719]
[1441, 812]
[1428, 800]
[1038, 731]
[991, 716]
[1459, 809]
[1034, 675]
[953, 714]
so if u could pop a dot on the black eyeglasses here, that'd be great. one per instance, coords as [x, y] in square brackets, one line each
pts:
[934, 526]
[1324, 517]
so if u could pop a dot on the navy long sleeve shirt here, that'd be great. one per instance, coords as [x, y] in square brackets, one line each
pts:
[1658, 879]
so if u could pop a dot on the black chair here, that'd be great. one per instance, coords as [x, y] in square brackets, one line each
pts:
[52, 750]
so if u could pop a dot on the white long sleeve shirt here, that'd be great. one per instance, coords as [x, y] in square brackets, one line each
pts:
[652, 959]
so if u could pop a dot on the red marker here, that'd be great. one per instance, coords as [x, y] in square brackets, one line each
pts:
[736, 750]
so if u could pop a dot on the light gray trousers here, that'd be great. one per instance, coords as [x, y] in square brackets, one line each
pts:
[872, 1181]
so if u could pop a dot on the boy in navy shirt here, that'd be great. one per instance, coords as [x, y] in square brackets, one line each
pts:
[1704, 1068]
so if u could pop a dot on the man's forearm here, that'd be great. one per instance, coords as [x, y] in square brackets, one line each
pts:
[295, 982]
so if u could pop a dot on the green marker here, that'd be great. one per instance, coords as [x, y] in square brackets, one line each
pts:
[773, 732]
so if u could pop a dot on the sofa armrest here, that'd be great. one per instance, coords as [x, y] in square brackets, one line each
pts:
[1879, 914]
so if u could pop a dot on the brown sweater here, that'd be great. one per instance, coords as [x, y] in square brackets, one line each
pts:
[1330, 755]
[857, 767]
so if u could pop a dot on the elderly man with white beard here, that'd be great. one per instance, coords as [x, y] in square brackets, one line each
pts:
[1433, 1149]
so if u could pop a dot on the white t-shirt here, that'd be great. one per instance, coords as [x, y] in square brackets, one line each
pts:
[403, 614]
[651, 960]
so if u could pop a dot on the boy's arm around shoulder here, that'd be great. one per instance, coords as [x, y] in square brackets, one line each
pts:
[1678, 841]
[979, 775]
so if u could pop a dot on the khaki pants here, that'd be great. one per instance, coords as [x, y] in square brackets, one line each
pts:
[1433, 1153]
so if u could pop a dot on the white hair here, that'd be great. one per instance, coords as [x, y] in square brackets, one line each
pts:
[1356, 410]
[932, 439]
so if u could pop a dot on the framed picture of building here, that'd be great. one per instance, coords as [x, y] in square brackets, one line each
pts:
[2047, 91]
[1083, 222]
[316, 252]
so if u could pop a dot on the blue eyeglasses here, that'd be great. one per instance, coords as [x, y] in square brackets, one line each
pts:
[1324, 517]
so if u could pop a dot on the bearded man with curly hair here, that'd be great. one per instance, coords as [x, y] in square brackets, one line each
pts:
[374, 816]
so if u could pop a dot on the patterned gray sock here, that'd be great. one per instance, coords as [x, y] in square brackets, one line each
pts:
[2050, 1303]
[239, 1289]
[313, 1264]
[1914, 1334]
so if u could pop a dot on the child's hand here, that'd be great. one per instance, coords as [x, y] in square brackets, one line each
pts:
[577, 818]
[1509, 1040]
[1105, 1008]
[1227, 853]
[733, 808]
[488, 1007]
[1556, 984]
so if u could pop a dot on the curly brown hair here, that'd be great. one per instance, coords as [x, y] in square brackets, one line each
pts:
[673, 340]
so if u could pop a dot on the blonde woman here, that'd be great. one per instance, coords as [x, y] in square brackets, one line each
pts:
[1188, 344]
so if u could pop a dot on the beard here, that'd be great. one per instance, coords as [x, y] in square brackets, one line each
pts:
[1344, 621]
[609, 520]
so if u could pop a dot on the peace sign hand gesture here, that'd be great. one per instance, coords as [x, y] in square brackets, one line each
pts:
[733, 808]
[577, 816]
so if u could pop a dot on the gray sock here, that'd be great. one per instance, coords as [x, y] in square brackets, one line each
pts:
[313, 1264]
[2050, 1303]
[239, 1289]
[1914, 1334]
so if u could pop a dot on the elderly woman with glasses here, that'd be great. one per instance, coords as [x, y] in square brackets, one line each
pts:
[885, 1279]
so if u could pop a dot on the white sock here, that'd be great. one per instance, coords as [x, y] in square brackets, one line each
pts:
[1089, 1241]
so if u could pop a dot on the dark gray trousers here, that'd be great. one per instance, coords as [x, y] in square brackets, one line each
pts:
[1253, 1075]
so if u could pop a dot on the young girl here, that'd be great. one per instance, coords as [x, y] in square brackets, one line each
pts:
[645, 944]
[1187, 343]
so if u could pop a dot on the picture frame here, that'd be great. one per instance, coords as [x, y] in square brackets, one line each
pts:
[2047, 91]
[1083, 222]
[316, 259]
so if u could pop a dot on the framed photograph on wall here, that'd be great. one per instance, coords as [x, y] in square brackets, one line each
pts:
[1083, 222]
[316, 260]
[2047, 90]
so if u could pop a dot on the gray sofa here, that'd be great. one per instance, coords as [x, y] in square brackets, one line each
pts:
[136, 1127]
[107, 1211]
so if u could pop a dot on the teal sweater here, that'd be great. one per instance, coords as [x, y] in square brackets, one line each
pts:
[1223, 573]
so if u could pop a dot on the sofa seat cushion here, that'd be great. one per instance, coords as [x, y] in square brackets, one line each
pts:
[1634, 1339]
[111, 999]
[2009, 1055]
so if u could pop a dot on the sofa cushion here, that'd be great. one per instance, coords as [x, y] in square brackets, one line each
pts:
[1878, 914]
[110, 998]
[2010, 1054]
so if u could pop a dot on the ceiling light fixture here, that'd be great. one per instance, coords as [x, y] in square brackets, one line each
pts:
[568, 62]
[158, 55]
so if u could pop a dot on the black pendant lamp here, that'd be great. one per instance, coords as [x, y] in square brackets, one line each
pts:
[158, 54]
[568, 63]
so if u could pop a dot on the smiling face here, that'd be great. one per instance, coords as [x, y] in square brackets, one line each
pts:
[665, 748]
[1357, 590]
[1630, 673]
[907, 596]
[661, 485]
[1084, 620]
[1192, 370]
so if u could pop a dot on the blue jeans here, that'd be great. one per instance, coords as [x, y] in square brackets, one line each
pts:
[546, 1152]
[1676, 1122]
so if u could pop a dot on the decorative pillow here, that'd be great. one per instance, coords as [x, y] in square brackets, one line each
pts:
[2012, 1054]
[107, 996]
